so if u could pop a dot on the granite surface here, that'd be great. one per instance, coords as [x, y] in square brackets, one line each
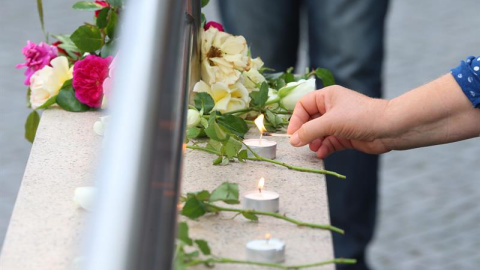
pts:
[46, 226]
[302, 196]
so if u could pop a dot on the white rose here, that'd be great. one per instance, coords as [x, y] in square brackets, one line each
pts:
[193, 118]
[223, 56]
[84, 197]
[291, 93]
[227, 98]
[46, 82]
[256, 63]
[251, 79]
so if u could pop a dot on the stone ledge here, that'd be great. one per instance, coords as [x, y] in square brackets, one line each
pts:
[46, 226]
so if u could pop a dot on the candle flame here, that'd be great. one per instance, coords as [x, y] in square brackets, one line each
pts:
[261, 184]
[268, 236]
[259, 123]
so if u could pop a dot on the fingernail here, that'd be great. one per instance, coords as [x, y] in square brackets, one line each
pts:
[295, 140]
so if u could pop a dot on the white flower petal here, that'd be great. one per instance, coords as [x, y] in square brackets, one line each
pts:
[84, 197]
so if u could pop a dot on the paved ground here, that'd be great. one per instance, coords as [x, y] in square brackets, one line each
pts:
[429, 214]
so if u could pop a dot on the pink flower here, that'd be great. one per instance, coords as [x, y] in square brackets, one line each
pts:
[214, 25]
[36, 57]
[103, 4]
[88, 77]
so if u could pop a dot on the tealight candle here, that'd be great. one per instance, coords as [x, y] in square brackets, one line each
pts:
[261, 200]
[268, 250]
[263, 147]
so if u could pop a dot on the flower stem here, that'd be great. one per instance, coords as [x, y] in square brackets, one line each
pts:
[292, 167]
[274, 265]
[260, 158]
[276, 215]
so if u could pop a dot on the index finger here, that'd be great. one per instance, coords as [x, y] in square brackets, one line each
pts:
[306, 108]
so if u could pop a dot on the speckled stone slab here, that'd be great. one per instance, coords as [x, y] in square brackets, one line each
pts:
[302, 196]
[46, 226]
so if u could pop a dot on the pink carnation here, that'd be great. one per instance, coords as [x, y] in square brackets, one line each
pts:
[88, 77]
[214, 25]
[36, 57]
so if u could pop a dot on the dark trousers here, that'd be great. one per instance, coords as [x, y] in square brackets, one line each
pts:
[345, 37]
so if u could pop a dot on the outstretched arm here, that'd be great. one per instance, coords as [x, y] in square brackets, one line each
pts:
[336, 118]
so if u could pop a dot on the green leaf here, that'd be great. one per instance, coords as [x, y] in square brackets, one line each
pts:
[183, 233]
[286, 90]
[232, 147]
[260, 97]
[326, 76]
[85, 5]
[68, 45]
[203, 246]
[116, 3]
[217, 161]
[67, 100]
[203, 20]
[203, 195]
[214, 145]
[179, 262]
[31, 126]
[250, 216]
[226, 192]
[242, 155]
[193, 208]
[48, 103]
[204, 101]
[29, 92]
[112, 24]
[109, 49]
[289, 77]
[87, 38]
[234, 124]
[102, 18]
[205, 2]
[193, 132]
[214, 131]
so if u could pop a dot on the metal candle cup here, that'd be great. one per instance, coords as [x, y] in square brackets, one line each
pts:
[266, 250]
[267, 201]
[264, 148]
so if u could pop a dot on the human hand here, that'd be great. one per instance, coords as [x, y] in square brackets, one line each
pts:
[336, 118]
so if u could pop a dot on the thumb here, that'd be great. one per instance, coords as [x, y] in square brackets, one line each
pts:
[314, 129]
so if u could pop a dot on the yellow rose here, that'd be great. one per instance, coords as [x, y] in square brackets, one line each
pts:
[227, 98]
[46, 82]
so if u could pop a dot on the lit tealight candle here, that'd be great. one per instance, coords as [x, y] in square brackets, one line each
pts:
[263, 147]
[269, 250]
[261, 200]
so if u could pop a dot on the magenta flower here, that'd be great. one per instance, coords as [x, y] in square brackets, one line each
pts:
[214, 25]
[88, 77]
[36, 57]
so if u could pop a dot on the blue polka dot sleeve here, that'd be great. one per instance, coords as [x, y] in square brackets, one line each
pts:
[467, 75]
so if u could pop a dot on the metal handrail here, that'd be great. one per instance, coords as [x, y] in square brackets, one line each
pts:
[133, 226]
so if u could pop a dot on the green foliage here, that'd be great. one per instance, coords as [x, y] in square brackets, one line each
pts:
[193, 207]
[227, 193]
[250, 216]
[102, 18]
[116, 3]
[203, 246]
[194, 132]
[214, 131]
[67, 100]
[86, 5]
[203, 101]
[182, 234]
[87, 38]
[326, 76]
[236, 125]
[40, 16]
[68, 45]
[259, 97]
[112, 23]
[205, 2]
[31, 126]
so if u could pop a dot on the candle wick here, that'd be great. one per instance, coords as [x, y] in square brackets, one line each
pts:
[260, 190]
[261, 135]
